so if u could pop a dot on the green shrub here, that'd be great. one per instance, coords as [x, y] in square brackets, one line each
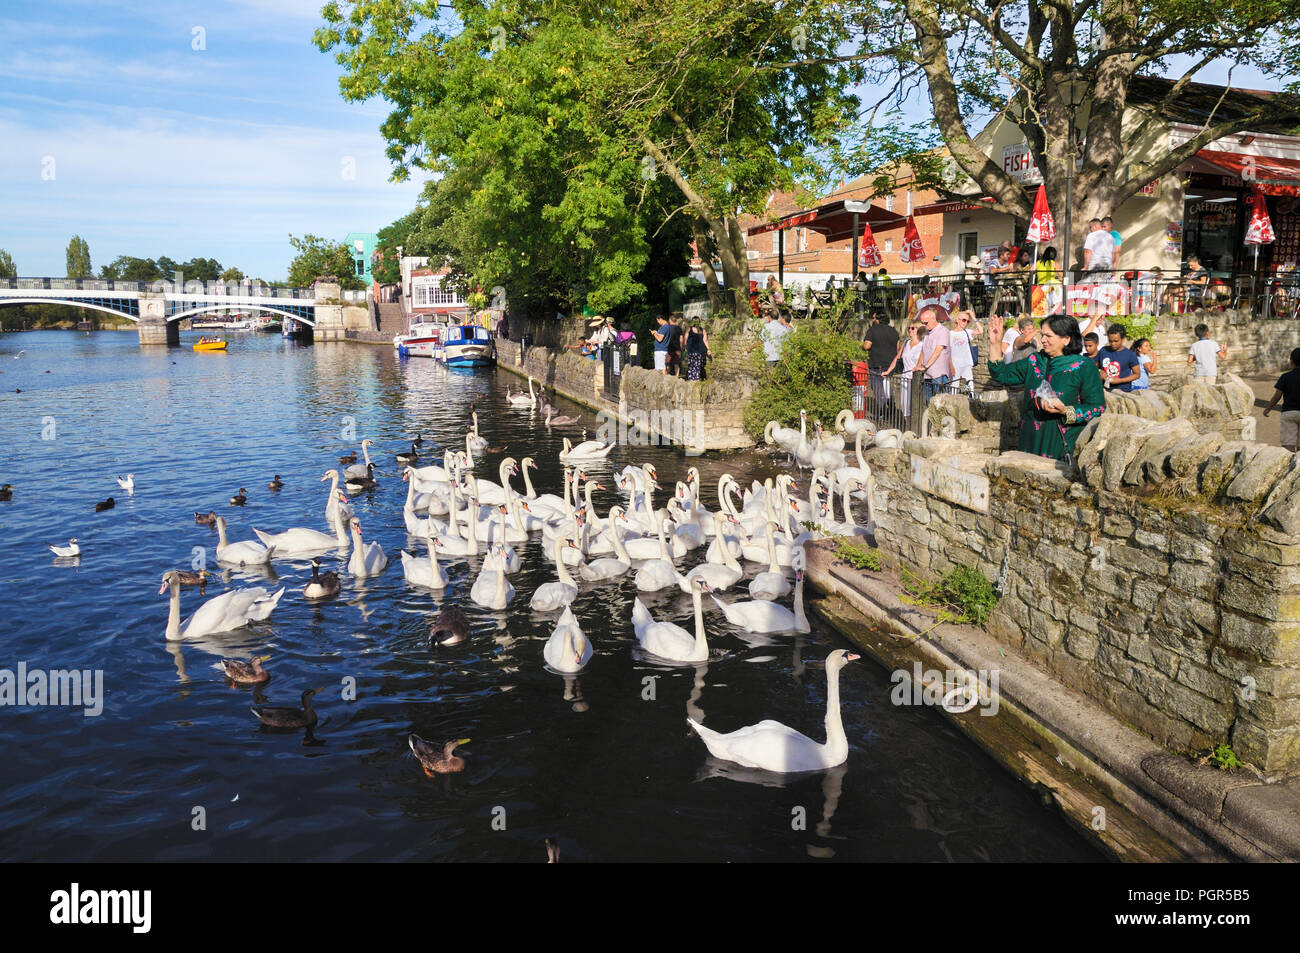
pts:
[964, 591]
[812, 375]
[1225, 759]
[859, 556]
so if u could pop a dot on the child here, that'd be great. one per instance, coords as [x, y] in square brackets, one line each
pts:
[1147, 357]
[1205, 354]
[1090, 342]
[1288, 391]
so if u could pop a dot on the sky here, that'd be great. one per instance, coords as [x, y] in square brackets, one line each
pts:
[115, 127]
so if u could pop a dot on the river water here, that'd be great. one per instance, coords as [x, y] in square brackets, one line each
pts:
[177, 768]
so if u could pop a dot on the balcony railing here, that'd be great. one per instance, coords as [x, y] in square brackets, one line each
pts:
[213, 288]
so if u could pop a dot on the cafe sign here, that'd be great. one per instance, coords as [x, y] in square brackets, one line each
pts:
[1018, 162]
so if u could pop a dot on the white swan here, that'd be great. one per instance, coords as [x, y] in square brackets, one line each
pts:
[367, 559]
[555, 595]
[772, 746]
[784, 437]
[337, 507]
[521, 399]
[718, 576]
[424, 572]
[492, 589]
[607, 568]
[763, 617]
[587, 450]
[658, 573]
[852, 425]
[224, 613]
[245, 553]
[828, 441]
[301, 541]
[568, 649]
[670, 641]
[360, 469]
[772, 584]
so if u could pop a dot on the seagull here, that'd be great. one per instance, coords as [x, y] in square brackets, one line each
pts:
[72, 549]
[20, 354]
[128, 484]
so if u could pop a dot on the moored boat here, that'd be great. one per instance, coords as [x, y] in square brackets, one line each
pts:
[467, 345]
[422, 339]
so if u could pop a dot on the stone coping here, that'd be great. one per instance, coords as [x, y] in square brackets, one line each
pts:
[1159, 806]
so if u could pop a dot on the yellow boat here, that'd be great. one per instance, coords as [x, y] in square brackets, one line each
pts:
[210, 346]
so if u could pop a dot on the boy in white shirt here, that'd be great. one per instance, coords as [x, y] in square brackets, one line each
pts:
[1205, 354]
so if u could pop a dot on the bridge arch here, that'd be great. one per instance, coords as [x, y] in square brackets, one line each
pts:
[225, 307]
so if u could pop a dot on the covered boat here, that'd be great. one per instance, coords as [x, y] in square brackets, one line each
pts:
[467, 345]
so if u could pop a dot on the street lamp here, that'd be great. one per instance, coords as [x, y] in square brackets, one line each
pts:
[1069, 174]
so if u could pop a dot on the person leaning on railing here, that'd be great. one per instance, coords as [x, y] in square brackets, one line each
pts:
[1049, 427]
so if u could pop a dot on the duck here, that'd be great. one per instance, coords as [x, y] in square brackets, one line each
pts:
[668, 640]
[568, 649]
[348, 458]
[240, 498]
[359, 469]
[437, 760]
[244, 553]
[199, 579]
[224, 613]
[276, 483]
[762, 617]
[206, 519]
[367, 481]
[7, 492]
[65, 552]
[107, 504]
[303, 717]
[128, 484]
[556, 595]
[492, 589]
[248, 673]
[367, 559]
[587, 450]
[451, 627]
[321, 586]
[772, 746]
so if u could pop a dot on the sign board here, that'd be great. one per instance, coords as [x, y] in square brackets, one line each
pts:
[1018, 162]
[966, 489]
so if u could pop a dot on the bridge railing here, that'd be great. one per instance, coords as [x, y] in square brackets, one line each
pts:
[211, 288]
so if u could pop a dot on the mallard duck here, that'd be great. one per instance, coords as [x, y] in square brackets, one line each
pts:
[349, 457]
[199, 579]
[303, 717]
[437, 760]
[65, 552]
[275, 484]
[7, 492]
[247, 672]
[240, 498]
[107, 504]
[206, 519]
[321, 587]
[450, 628]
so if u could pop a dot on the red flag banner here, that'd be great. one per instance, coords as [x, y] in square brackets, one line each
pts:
[1042, 227]
[913, 250]
[869, 252]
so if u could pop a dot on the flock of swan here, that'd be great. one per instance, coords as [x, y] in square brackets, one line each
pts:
[459, 514]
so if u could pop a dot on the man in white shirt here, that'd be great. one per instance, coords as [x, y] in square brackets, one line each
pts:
[1098, 248]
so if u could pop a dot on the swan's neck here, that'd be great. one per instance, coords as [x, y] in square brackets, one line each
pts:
[221, 536]
[174, 612]
[469, 451]
[528, 480]
[561, 570]
[800, 620]
[772, 564]
[365, 449]
[339, 533]
[663, 541]
[501, 584]
[837, 745]
[701, 644]
[619, 549]
[848, 508]
[857, 447]
[410, 491]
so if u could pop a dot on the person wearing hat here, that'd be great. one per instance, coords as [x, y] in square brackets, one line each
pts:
[603, 336]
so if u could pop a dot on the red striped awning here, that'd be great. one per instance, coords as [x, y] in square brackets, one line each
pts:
[1273, 175]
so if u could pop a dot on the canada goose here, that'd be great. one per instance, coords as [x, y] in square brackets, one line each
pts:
[275, 484]
[240, 498]
[303, 717]
[355, 484]
[409, 456]
[72, 549]
[450, 628]
[437, 760]
[107, 504]
[247, 672]
[321, 587]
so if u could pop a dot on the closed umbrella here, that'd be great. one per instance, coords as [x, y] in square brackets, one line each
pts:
[869, 253]
[1258, 232]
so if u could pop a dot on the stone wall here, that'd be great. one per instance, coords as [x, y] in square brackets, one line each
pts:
[1165, 585]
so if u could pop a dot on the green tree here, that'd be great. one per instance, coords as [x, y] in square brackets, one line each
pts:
[320, 258]
[79, 258]
[7, 267]
[127, 268]
[232, 274]
[200, 269]
[568, 133]
[1051, 66]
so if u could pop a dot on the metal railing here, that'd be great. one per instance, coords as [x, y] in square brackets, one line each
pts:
[214, 288]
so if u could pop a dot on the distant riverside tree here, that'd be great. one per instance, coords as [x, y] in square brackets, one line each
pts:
[569, 134]
[1046, 64]
[79, 258]
[7, 269]
[200, 269]
[320, 258]
[232, 274]
[128, 268]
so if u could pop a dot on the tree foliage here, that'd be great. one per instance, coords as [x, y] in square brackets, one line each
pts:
[78, 256]
[812, 375]
[1047, 64]
[321, 258]
[7, 267]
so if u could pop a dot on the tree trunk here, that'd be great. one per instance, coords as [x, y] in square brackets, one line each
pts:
[704, 248]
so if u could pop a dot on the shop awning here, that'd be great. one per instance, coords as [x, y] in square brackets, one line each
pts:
[1274, 176]
[954, 205]
[835, 220]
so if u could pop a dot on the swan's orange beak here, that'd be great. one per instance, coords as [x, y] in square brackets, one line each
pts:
[851, 657]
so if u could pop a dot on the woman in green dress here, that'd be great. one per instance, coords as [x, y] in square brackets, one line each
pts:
[1050, 428]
